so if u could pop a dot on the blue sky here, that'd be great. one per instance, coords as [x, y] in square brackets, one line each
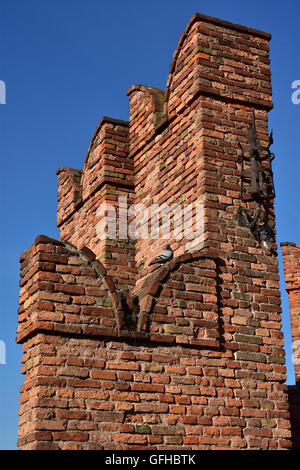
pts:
[67, 63]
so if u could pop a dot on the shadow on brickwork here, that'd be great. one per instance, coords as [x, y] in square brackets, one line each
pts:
[294, 403]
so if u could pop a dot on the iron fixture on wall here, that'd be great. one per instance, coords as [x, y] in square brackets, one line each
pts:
[260, 187]
[259, 226]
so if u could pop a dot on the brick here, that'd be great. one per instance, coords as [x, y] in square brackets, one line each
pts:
[71, 414]
[250, 356]
[70, 436]
[110, 417]
[130, 439]
[123, 365]
[69, 289]
[142, 387]
[167, 430]
[173, 440]
[103, 374]
[142, 429]
[151, 408]
[51, 425]
[73, 372]
[241, 338]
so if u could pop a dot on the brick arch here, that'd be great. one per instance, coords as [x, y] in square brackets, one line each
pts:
[57, 280]
[89, 256]
[191, 278]
[94, 141]
[153, 97]
[146, 113]
[173, 65]
[108, 138]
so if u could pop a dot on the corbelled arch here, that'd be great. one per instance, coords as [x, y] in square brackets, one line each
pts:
[169, 296]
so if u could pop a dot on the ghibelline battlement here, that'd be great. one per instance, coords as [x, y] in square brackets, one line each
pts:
[122, 351]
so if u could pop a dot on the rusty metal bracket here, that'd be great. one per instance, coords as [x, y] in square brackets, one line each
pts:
[261, 178]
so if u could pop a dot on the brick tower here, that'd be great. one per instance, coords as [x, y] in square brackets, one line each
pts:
[188, 355]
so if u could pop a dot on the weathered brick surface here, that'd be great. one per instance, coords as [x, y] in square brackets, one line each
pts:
[192, 356]
[291, 261]
[187, 395]
[107, 174]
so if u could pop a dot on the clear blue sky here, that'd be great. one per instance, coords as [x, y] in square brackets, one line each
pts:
[67, 63]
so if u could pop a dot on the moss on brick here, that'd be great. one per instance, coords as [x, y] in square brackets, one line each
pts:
[184, 134]
[142, 429]
[114, 174]
[206, 50]
[104, 302]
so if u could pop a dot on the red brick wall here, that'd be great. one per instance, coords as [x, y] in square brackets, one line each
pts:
[291, 260]
[93, 383]
[291, 265]
[192, 357]
[219, 74]
[107, 174]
